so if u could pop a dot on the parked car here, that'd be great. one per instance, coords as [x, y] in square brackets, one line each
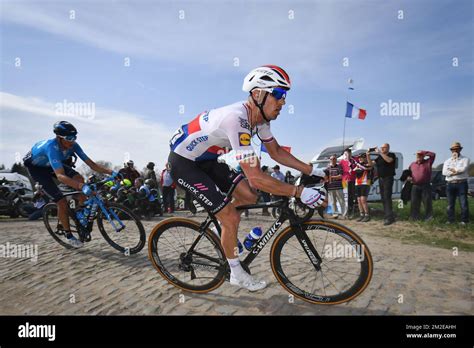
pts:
[438, 184]
[470, 183]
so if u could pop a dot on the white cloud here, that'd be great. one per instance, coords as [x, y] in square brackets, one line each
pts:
[109, 136]
[311, 45]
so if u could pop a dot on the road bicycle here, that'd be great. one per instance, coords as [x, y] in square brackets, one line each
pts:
[318, 261]
[119, 226]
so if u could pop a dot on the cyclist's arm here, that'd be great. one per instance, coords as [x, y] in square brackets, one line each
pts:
[56, 163]
[94, 166]
[259, 180]
[62, 177]
[287, 159]
[97, 167]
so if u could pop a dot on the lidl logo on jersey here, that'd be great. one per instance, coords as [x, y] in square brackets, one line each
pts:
[244, 139]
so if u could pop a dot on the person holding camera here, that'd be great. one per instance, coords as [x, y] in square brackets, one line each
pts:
[456, 171]
[385, 164]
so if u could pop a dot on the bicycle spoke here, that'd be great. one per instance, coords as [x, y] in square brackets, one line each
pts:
[338, 272]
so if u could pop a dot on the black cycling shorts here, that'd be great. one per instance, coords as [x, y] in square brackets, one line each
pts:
[362, 190]
[45, 176]
[207, 181]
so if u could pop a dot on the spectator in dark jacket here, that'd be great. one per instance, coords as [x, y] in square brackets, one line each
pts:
[129, 172]
[385, 162]
[421, 181]
[150, 172]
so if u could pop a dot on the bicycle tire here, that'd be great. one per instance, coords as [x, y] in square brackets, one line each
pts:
[363, 280]
[155, 259]
[100, 223]
[50, 210]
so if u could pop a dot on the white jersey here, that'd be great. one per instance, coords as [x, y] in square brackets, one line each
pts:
[216, 132]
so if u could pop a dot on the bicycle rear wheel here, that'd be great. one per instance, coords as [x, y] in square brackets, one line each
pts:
[200, 269]
[346, 267]
[51, 221]
[124, 231]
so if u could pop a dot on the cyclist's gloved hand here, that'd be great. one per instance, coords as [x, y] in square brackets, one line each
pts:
[318, 172]
[86, 189]
[313, 197]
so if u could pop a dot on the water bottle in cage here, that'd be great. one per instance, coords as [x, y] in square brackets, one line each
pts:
[252, 237]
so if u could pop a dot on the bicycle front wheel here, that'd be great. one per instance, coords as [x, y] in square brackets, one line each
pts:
[122, 229]
[186, 257]
[346, 267]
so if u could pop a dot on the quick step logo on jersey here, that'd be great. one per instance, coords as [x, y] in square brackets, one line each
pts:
[195, 142]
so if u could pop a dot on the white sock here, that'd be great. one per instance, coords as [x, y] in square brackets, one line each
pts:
[235, 267]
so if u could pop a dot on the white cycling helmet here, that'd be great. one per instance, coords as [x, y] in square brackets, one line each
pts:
[266, 76]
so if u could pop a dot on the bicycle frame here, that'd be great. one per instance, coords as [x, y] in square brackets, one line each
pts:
[287, 214]
[110, 215]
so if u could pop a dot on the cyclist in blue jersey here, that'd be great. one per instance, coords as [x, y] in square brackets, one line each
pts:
[46, 161]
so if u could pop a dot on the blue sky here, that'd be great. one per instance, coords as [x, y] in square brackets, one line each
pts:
[190, 61]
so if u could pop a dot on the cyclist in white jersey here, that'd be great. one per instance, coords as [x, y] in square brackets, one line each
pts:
[196, 146]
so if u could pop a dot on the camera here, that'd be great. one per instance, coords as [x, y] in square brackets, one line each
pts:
[372, 149]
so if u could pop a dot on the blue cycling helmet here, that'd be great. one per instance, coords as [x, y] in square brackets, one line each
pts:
[64, 129]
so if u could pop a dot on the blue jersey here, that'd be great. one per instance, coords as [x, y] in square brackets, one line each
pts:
[48, 153]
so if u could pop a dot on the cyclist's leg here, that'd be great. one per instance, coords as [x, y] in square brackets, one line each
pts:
[70, 172]
[229, 219]
[200, 180]
[44, 175]
[244, 194]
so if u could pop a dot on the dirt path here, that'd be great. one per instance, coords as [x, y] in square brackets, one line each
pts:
[98, 280]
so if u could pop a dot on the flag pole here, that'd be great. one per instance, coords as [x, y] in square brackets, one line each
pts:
[347, 100]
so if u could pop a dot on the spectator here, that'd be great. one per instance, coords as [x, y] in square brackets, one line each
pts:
[335, 192]
[421, 184]
[456, 171]
[265, 195]
[385, 164]
[168, 187]
[348, 181]
[289, 178]
[129, 172]
[150, 172]
[277, 174]
[363, 172]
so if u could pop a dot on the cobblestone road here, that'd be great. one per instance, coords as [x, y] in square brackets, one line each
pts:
[99, 280]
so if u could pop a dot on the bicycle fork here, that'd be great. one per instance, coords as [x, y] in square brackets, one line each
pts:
[308, 247]
[112, 218]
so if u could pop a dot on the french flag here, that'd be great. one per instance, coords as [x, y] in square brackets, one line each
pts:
[350, 112]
